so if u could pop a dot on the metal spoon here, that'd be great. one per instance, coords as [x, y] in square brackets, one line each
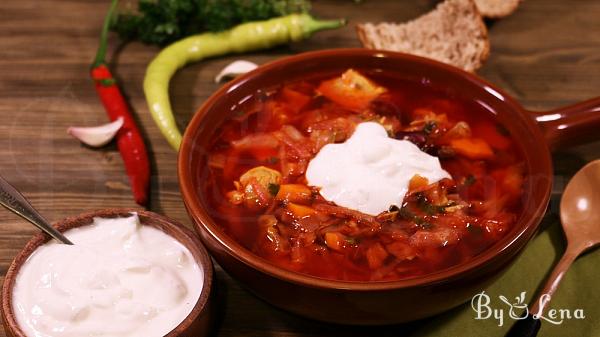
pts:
[580, 218]
[16, 202]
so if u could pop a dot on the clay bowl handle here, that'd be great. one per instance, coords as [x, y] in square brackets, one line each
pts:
[571, 125]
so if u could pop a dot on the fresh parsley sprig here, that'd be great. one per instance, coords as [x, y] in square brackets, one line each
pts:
[161, 22]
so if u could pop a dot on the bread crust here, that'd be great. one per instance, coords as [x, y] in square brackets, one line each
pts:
[362, 36]
[486, 39]
[489, 9]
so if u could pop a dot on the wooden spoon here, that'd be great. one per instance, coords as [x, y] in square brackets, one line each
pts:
[580, 218]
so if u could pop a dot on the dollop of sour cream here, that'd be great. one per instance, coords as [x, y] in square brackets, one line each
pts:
[119, 279]
[370, 171]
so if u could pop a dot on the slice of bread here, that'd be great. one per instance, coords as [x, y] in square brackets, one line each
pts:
[453, 33]
[497, 8]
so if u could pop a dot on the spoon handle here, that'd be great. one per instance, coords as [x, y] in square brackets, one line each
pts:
[16, 203]
[553, 281]
[529, 326]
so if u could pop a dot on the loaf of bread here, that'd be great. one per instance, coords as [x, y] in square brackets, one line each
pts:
[453, 33]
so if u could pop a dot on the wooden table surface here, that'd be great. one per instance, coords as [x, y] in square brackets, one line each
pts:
[547, 54]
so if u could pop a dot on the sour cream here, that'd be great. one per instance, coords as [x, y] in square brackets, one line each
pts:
[370, 171]
[120, 279]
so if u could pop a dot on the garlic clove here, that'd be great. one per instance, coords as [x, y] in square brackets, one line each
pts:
[97, 136]
[234, 69]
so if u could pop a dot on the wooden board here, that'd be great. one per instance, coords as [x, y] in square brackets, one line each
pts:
[546, 55]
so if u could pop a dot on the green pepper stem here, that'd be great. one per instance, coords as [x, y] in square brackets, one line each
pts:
[314, 25]
[101, 53]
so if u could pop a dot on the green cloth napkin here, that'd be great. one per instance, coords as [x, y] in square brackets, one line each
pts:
[576, 291]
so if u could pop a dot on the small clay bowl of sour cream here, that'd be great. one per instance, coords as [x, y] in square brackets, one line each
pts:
[162, 282]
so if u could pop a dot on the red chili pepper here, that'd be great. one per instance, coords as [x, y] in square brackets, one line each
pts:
[129, 139]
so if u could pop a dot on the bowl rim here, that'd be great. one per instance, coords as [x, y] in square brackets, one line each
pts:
[527, 224]
[190, 241]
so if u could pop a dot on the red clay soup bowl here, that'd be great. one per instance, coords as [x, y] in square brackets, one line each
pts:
[380, 302]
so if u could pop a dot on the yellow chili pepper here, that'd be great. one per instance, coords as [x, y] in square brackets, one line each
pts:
[242, 38]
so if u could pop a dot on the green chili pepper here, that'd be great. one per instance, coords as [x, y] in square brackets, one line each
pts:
[242, 38]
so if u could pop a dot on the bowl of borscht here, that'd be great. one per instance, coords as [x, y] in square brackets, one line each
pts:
[367, 187]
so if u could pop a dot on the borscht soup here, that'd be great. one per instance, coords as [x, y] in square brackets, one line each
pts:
[362, 176]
